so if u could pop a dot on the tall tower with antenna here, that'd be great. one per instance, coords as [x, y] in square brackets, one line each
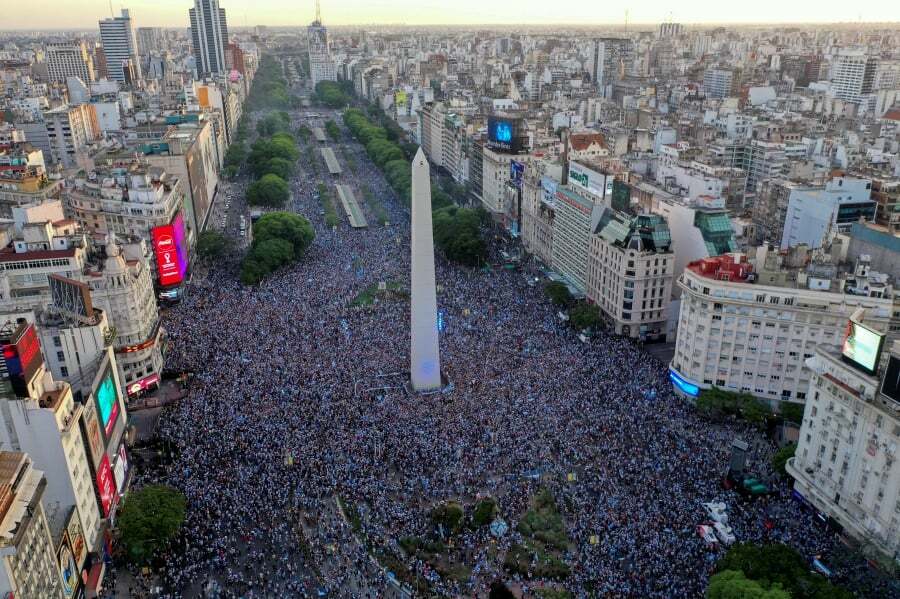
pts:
[321, 65]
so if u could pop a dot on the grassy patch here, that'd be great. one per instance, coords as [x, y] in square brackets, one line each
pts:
[326, 200]
[545, 539]
[371, 294]
[375, 206]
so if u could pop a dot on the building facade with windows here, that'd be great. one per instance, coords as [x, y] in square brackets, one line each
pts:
[630, 272]
[69, 59]
[749, 330]
[846, 462]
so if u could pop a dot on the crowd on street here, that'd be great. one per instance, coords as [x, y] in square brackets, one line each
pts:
[297, 398]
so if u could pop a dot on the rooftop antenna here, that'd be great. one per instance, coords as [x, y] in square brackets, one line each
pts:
[111, 13]
[626, 21]
[318, 14]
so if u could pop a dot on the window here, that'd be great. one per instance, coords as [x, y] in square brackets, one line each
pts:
[64, 371]
[60, 356]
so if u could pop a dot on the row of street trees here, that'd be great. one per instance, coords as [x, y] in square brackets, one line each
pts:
[270, 89]
[272, 161]
[279, 238]
[334, 94]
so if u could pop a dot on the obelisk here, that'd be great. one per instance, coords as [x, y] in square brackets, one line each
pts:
[425, 360]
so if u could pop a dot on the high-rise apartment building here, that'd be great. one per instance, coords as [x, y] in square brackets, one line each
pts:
[28, 566]
[719, 83]
[321, 64]
[846, 464]
[120, 48]
[610, 58]
[209, 36]
[69, 59]
[749, 327]
[853, 74]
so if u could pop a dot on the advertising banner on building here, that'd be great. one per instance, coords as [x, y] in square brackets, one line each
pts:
[92, 432]
[120, 470]
[106, 486]
[170, 252]
[516, 173]
[107, 402]
[22, 357]
[68, 570]
[596, 183]
[76, 539]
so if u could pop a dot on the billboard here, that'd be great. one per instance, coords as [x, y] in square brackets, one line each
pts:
[400, 98]
[503, 134]
[596, 183]
[68, 570]
[107, 402]
[120, 469]
[106, 486]
[548, 188]
[516, 173]
[22, 357]
[890, 386]
[92, 432]
[70, 296]
[76, 539]
[862, 346]
[171, 258]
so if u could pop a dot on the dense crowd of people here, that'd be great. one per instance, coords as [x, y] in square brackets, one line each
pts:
[297, 397]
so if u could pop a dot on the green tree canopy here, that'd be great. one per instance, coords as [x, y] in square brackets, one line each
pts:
[449, 515]
[149, 519]
[332, 129]
[778, 564]
[270, 190]
[272, 123]
[457, 232]
[558, 293]
[289, 226]
[331, 94]
[282, 167]
[212, 244]
[781, 457]
[732, 584]
[585, 316]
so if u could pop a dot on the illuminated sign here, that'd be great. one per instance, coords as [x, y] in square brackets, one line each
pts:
[120, 470]
[108, 403]
[862, 346]
[684, 386]
[169, 248]
[516, 172]
[503, 134]
[106, 486]
[22, 357]
[67, 568]
[142, 384]
[76, 539]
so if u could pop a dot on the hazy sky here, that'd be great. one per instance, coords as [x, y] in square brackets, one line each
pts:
[46, 14]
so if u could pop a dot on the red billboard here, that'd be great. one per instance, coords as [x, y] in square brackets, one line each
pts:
[168, 262]
[106, 486]
[22, 356]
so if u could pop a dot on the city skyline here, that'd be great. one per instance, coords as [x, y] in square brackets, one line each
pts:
[66, 14]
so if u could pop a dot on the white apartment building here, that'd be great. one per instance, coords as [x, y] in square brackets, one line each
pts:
[124, 291]
[813, 212]
[853, 74]
[321, 63]
[718, 82]
[572, 236]
[28, 569]
[495, 174]
[749, 329]
[74, 346]
[70, 128]
[431, 132]
[69, 59]
[630, 272]
[764, 160]
[43, 421]
[128, 201]
[846, 464]
[538, 213]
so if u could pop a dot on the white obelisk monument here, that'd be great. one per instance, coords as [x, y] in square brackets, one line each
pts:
[425, 360]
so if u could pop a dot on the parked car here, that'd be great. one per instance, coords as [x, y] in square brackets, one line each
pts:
[724, 532]
[706, 534]
[716, 512]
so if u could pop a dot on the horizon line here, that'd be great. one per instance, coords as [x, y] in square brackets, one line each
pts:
[505, 25]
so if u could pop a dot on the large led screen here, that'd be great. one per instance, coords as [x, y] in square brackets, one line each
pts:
[108, 402]
[862, 346]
